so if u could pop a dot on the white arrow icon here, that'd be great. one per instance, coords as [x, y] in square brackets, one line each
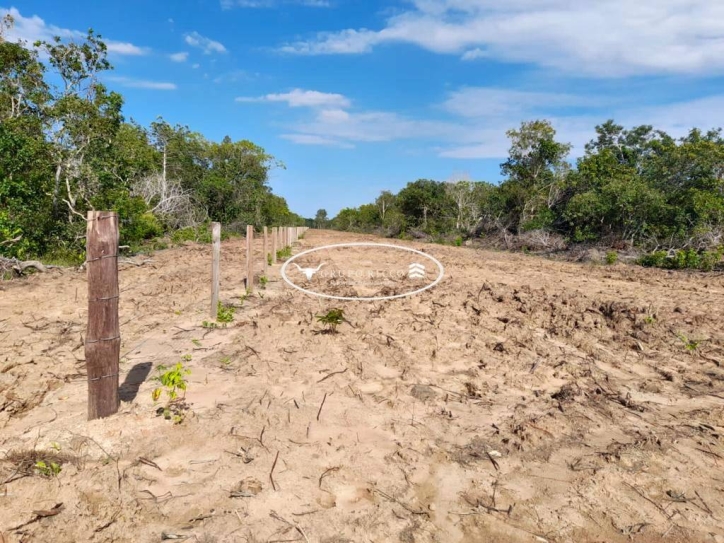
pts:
[416, 271]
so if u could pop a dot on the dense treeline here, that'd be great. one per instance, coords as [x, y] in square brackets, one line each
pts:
[65, 148]
[637, 187]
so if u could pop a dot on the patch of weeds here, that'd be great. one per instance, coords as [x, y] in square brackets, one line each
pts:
[458, 241]
[650, 319]
[64, 256]
[196, 342]
[611, 258]
[263, 280]
[284, 253]
[224, 313]
[199, 234]
[172, 381]
[43, 463]
[331, 319]
[225, 362]
[48, 469]
[269, 259]
[209, 324]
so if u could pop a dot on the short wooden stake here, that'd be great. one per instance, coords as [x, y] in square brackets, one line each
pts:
[249, 259]
[274, 236]
[215, 273]
[103, 335]
[266, 251]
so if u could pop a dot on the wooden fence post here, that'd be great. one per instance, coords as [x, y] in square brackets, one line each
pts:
[215, 259]
[274, 235]
[103, 335]
[266, 251]
[249, 259]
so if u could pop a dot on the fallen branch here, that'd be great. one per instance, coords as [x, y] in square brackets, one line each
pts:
[271, 473]
[40, 515]
[331, 374]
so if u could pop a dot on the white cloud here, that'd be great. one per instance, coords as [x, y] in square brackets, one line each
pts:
[125, 48]
[179, 57]
[142, 83]
[472, 122]
[303, 98]
[311, 139]
[196, 66]
[496, 102]
[602, 38]
[33, 28]
[207, 45]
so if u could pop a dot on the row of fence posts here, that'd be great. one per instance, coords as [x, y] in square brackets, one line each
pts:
[103, 334]
[274, 240]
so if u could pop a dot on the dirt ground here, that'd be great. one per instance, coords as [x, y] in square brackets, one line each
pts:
[521, 399]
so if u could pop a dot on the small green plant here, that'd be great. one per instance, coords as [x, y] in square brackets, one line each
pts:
[458, 241]
[690, 345]
[209, 324]
[224, 313]
[269, 259]
[331, 319]
[263, 280]
[611, 258]
[48, 469]
[196, 342]
[172, 381]
[650, 319]
[225, 362]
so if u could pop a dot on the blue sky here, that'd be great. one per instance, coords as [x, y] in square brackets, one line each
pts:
[358, 96]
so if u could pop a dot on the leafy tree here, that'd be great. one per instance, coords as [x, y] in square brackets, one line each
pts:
[535, 167]
[425, 203]
[320, 219]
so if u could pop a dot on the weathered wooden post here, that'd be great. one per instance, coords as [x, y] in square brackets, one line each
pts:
[266, 251]
[103, 335]
[249, 258]
[215, 260]
[274, 236]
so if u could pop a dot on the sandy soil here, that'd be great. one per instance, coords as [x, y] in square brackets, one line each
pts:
[522, 399]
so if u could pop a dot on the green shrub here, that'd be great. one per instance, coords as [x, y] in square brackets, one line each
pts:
[684, 259]
[286, 252]
[199, 234]
[458, 241]
[611, 257]
[64, 256]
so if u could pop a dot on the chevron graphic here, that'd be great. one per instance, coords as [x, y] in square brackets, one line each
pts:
[416, 271]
